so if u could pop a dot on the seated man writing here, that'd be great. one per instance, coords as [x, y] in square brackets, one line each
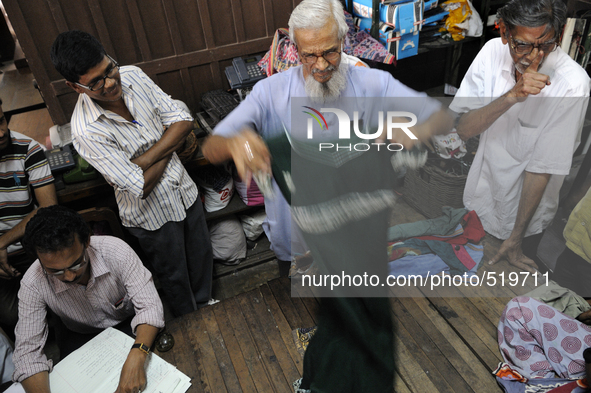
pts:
[90, 283]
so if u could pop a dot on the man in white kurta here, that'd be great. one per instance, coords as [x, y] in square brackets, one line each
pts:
[529, 109]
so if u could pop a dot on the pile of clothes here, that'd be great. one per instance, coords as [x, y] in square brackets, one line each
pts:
[450, 243]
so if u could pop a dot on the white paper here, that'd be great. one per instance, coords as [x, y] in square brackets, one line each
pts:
[15, 388]
[96, 367]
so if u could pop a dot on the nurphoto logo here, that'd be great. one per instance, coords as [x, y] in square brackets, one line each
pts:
[394, 120]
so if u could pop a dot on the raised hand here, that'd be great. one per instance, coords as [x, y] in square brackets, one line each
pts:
[531, 82]
[250, 154]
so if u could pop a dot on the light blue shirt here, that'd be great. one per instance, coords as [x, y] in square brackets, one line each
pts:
[109, 143]
[269, 107]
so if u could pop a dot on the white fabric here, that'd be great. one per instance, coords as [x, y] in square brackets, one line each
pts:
[538, 135]
[6, 365]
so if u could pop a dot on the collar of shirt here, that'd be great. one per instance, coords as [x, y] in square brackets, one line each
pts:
[99, 268]
[94, 110]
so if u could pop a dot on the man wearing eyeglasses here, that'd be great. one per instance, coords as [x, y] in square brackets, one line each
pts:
[129, 129]
[90, 283]
[526, 98]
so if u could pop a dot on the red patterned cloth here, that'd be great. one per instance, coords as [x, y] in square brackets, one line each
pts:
[283, 53]
[538, 341]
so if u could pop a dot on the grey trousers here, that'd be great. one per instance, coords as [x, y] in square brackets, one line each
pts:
[181, 256]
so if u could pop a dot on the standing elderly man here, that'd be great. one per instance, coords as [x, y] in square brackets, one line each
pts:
[527, 99]
[90, 283]
[129, 129]
[352, 350]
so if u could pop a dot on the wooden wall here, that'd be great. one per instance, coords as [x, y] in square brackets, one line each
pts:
[184, 45]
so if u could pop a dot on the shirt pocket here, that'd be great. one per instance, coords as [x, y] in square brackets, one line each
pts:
[120, 307]
[522, 140]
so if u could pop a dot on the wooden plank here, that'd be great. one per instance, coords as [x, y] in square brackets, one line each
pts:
[250, 351]
[140, 33]
[425, 344]
[270, 327]
[238, 20]
[284, 329]
[449, 343]
[399, 385]
[481, 346]
[206, 23]
[99, 21]
[209, 374]
[410, 371]
[429, 364]
[186, 357]
[34, 59]
[307, 297]
[466, 309]
[265, 349]
[269, 17]
[58, 15]
[303, 312]
[233, 348]
[218, 345]
[287, 307]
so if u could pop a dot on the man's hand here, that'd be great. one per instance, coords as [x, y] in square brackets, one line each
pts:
[511, 251]
[531, 82]
[250, 154]
[585, 317]
[440, 122]
[133, 374]
[7, 272]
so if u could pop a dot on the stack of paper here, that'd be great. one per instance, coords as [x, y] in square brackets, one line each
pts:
[96, 367]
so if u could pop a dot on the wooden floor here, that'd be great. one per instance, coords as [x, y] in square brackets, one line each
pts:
[444, 343]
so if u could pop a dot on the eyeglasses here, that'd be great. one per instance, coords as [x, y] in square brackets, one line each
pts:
[329, 56]
[99, 84]
[525, 48]
[79, 264]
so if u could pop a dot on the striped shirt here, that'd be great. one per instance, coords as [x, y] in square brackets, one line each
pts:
[109, 143]
[119, 286]
[22, 165]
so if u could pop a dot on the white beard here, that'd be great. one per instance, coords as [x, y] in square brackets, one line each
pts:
[322, 93]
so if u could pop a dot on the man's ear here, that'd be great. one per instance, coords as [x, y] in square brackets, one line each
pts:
[504, 32]
[75, 87]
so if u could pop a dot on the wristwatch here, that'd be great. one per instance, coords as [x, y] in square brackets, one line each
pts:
[142, 347]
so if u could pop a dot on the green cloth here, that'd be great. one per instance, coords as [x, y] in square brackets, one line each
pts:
[443, 225]
[562, 299]
[341, 205]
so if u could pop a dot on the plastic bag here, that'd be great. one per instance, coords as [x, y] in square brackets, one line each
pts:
[217, 186]
[227, 240]
[463, 20]
[253, 224]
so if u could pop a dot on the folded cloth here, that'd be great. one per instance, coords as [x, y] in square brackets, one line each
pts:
[445, 224]
[561, 298]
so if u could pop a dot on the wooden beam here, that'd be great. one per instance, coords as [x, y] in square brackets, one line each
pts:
[188, 60]
[27, 43]
[101, 27]
[138, 27]
[58, 15]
